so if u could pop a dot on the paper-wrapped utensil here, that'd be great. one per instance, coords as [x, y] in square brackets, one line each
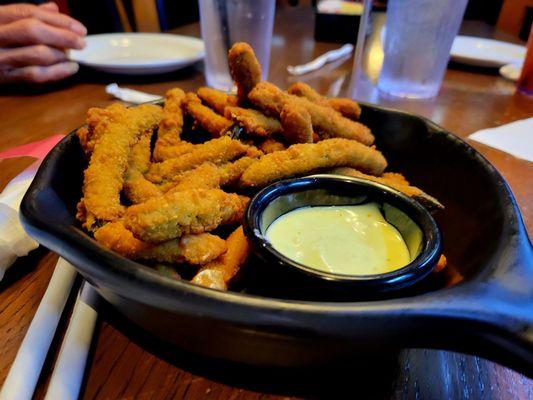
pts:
[319, 62]
[130, 95]
[69, 368]
[25, 370]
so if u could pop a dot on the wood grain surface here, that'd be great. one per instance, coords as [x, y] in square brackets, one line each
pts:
[127, 364]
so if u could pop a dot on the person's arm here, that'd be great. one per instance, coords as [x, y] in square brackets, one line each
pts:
[33, 41]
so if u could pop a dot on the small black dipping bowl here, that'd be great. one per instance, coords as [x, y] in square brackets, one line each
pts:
[413, 221]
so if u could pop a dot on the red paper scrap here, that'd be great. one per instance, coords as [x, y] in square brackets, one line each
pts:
[38, 149]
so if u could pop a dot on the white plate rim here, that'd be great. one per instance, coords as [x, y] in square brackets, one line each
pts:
[482, 61]
[74, 55]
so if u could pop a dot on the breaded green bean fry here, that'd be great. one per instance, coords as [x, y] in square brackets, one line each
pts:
[325, 120]
[136, 187]
[301, 159]
[183, 212]
[219, 273]
[192, 249]
[217, 151]
[216, 99]
[347, 107]
[245, 69]
[203, 116]
[297, 124]
[395, 181]
[254, 122]
[104, 177]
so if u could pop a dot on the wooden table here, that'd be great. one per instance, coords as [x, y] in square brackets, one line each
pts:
[127, 365]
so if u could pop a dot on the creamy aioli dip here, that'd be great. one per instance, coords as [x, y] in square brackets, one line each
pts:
[349, 240]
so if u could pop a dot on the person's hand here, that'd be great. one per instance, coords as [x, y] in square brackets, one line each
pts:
[33, 41]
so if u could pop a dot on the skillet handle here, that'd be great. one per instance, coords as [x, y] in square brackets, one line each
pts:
[493, 317]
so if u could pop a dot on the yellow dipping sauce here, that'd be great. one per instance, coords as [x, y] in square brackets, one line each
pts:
[349, 240]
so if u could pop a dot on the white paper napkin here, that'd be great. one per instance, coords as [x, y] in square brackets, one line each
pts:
[14, 241]
[130, 95]
[515, 138]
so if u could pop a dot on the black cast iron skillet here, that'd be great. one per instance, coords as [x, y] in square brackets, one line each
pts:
[489, 313]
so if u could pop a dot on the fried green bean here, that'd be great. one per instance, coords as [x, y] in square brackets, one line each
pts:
[183, 212]
[245, 69]
[104, 177]
[301, 159]
[347, 107]
[136, 187]
[217, 151]
[325, 120]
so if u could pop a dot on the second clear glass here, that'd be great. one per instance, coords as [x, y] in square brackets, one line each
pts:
[404, 51]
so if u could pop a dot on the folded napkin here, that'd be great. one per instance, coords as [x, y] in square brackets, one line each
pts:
[14, 241]
[130, 95]
[24, 373]
[515, 138]
[319, 62]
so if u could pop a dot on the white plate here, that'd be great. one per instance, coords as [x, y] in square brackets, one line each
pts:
[139, 53]
[486, 52]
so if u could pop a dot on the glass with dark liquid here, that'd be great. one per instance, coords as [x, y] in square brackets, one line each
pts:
[525, 82]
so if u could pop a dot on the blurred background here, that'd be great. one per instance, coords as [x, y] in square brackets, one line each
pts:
[511, 16]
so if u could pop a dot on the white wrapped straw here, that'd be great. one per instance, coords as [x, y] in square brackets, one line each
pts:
[69, 369]
[25, 370]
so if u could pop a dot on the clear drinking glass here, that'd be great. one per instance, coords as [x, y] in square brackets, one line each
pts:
[404, 51]
[224, 22]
